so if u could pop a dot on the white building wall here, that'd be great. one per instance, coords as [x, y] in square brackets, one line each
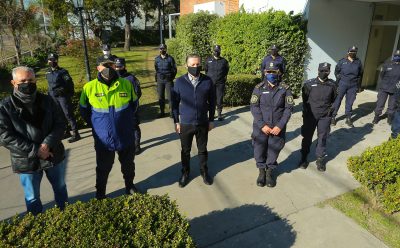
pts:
[215, 7]
[297, 6]
[334, 26]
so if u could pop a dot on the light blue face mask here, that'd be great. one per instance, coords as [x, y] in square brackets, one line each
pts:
[272, 78]
[396, 58]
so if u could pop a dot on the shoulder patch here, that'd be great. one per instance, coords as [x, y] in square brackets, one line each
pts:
[254, 99]
[66, 77]
[259, 85]
[285, 86]
[289, 100]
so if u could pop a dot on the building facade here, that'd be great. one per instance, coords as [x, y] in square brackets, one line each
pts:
[221, 7]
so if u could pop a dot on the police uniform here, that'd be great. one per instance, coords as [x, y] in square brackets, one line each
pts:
[318, 98]
[61, 88]
[104, 57]
[348, 76]
[217, 69]
[278, 60]
[390, 76]
[271, 106]
[396, 117]
[120, 62]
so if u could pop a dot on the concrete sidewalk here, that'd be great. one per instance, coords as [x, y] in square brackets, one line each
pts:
[233, 212]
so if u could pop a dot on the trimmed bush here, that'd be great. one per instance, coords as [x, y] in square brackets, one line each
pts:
[378, 169]
[239, 89]
[245, 38]
[126, 221]
[192, 36]
[31, 62]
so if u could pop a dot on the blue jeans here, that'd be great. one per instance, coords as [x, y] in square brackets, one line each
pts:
[396, 124]
[31, 184]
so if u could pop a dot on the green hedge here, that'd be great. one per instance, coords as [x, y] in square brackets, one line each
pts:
[126, 221]
[192, 36]
[239, 89]
[378, 169]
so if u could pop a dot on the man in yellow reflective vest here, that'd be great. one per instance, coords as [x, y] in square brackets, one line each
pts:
[108, 103]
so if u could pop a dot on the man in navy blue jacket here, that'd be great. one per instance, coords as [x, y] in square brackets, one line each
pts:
[193, 108]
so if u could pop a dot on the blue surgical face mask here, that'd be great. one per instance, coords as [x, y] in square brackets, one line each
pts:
[272, 78]
[396, 58]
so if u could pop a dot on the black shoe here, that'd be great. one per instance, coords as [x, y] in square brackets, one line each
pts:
[131, 190]
[75, 137]
[100, 195]
[67, 135]
[333, 121]
[390, 119]
[184, 180]
[376, 119]
[220, 118]
[206, 178]
[321, 164]
[138, 150]
[269, 179]
[303, 162]
[349, 122]
[261, 178]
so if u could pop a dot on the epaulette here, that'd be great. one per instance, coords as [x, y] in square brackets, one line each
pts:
[259, 85]
[284, 85]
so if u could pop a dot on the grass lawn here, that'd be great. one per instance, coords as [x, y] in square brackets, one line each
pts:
[361, 206]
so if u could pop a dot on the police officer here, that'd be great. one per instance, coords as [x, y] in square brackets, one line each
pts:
[106, 48]
[61, 88]
[348, 74]
[271, 106]
[319, 94]
[277, 59]
[217, 69]
[122, 72]
[108, 103]
[390, 75]
[165, 73]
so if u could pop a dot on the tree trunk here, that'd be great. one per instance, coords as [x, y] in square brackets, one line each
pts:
[127, 45]
[21, 2]
[17, 46]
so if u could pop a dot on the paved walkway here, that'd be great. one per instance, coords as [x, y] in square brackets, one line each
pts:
[233, 212]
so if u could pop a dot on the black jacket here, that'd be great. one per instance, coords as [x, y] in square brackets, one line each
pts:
[217, 69]
[318, 97]
[23, 137]
[390, 75]
[165, 68]
[60, 82]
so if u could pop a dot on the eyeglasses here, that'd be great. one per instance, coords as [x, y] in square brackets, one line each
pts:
[271, 72]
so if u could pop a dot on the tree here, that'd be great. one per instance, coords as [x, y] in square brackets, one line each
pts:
[15, 19]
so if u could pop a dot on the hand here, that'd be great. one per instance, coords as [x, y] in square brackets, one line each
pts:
[266, 129]
[44, 147]
[276, 130]
[44, 152]
[210, 126]
[177, 128]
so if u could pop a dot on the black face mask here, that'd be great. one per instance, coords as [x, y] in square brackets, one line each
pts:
[216, 54]
[274, 53]
[323, 75]
[27, 88]
[121, 72]
[163, 52]
[108, 74]
[353, 55]
[53, 64]
[194, 71]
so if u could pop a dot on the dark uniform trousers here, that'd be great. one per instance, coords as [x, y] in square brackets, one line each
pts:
[68, 110]
[381, 100]
[105, 161]
[396, 124]
[188, 131]
[350, 91]
[267, 148]
[310, 123]
[219, 93]
[164, 92]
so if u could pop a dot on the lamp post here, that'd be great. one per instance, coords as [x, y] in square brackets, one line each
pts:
[78, 4]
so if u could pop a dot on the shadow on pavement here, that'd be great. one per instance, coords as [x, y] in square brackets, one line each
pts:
[244, 226]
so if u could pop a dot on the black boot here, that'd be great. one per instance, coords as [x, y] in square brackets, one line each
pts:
[75, 137]
[390, 119]
[138, 150]
[67, 134]
[321, 164]
[303, 162]
[220, 118]
[100, 194]
[376, 119]
[269, 179]
[131, 190]
[184, 179]
[261, 178]
[349, 122]
[333, 121]
[206, 178]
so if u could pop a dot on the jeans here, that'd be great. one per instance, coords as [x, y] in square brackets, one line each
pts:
[31, 184]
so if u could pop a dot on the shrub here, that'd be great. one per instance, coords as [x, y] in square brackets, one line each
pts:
[239, 89]
[192, 36]
[31, 62]
[245, 38]
[127, 221]
[378, 169]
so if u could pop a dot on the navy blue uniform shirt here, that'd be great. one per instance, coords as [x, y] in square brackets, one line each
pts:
[390, 76]
[165, 68]
[217, 69]
[349, 72]
[318, 97]
[60, 82]
[279, 61]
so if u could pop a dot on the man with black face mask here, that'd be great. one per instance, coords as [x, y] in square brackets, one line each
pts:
[271, 105]
[319, 94]
[348, 72]
[108, 103]
[165, 67]
[31, 127]
[277, 59]
[193, 108]
[122, 72]
[217, 68]
[390, 76]
[61, 87]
